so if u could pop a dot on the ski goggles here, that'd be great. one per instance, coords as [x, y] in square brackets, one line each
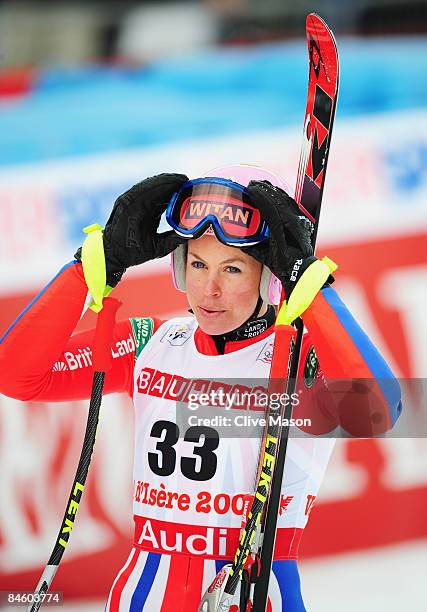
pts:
[220, 204]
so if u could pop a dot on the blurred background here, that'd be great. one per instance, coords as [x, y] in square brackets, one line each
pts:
[97, 95]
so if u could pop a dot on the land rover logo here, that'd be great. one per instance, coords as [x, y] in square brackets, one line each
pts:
[310, 368]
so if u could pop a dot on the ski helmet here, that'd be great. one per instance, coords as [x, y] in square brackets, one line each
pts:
[270, 286]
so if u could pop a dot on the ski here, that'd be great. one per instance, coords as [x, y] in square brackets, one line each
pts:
[259, 529]
[322, 94]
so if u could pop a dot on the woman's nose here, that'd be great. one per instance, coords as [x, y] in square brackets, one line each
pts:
[212, 286]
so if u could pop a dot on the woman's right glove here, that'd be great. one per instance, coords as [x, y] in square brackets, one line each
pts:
[130, 235]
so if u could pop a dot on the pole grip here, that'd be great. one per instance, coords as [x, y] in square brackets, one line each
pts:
[102, 358]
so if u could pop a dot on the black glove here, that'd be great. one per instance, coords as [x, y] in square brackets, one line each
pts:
[288, 250]
[130, 235]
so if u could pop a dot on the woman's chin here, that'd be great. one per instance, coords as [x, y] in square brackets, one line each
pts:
[214, 327]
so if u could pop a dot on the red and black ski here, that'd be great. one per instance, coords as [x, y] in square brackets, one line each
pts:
[319, 117]
[323, 73]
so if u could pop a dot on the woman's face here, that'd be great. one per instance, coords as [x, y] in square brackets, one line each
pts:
[222, 284]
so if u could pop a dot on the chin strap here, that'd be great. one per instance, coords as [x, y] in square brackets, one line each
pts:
[255, 313]
[253, 326]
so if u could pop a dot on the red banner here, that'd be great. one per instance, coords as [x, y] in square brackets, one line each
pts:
[375, 492]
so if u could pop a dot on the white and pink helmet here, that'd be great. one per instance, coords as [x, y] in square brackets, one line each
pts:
[270, 286]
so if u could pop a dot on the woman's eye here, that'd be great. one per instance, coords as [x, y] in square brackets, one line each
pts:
[233, 269]
[197, 264]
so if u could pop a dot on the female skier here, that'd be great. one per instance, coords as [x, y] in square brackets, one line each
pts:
[231, 232]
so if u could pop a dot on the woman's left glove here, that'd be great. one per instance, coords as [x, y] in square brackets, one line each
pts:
[288, 252]
[130, 235]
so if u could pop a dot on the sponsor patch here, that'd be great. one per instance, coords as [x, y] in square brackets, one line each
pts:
[82, 357]
[311, 367]
[219, 580]
[309, 504]
[266, 353]
[151, 381]
[284, 503]
[59, 366]
[142, 330]
[253, 328]
[197, 208]
[177, 335]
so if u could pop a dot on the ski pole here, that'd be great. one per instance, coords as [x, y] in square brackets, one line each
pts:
[101, 359]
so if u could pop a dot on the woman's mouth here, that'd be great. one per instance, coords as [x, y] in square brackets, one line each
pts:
[211, 313]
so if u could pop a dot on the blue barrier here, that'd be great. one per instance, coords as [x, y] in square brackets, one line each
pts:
[223, 91]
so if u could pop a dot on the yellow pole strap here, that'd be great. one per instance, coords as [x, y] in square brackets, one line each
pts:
[306, 289]
[93, 261]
